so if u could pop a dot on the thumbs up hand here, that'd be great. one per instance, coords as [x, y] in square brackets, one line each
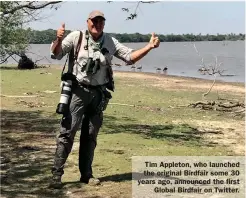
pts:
[154, 41]
[60, 32]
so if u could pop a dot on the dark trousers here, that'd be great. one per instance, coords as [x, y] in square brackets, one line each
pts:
[83, 101]
[88, 142]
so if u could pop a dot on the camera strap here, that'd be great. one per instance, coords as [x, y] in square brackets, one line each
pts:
[71, 57]
[78, 46]
[87, 39]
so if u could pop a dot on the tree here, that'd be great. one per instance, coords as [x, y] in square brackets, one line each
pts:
[221, 104]
[133, 13]
[14, 15]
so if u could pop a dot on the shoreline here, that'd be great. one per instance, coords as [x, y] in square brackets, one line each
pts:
[167, 76]
[200, 80]
[179, 83]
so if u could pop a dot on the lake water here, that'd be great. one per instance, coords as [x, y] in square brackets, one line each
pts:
[181, 58]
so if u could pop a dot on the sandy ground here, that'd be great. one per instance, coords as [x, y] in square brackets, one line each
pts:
[185, 83]
[233, 132]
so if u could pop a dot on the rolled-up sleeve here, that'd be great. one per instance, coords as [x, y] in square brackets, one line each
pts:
[67, 45]
[122, 52]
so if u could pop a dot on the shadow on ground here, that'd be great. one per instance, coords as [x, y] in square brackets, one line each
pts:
[117, 177]
[8, 68]
[27, 149]
[174, 133]
[131, 176]
[16, 68]
[28, 146]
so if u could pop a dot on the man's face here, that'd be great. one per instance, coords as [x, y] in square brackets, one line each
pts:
[96, 25]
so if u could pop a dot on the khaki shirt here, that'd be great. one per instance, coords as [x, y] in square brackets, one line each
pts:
[111, 44]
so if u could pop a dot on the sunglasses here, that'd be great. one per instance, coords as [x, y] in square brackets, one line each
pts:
[97, 20]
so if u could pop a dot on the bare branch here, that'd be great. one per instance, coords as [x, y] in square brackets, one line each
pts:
[136, 7]
[196, 50]
[43, 6]
[13, 57]
[210, 70]
[149, 1]
[134, 14]
[30, 6]
[205, 94]
[4, 60]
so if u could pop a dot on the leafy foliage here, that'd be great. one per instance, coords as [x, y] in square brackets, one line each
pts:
[13, 38]
[14, 15]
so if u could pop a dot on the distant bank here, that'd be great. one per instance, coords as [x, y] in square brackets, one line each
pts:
[47, 36]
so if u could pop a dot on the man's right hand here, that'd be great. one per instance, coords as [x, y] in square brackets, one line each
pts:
[60, 32]
[56, 46]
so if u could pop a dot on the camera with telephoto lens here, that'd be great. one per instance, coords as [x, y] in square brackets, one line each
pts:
[92, 66]
[68, 81]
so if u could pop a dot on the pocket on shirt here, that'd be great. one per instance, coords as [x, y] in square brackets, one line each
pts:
[106, 59]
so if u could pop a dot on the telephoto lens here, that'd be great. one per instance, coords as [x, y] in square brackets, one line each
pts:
[66, 92]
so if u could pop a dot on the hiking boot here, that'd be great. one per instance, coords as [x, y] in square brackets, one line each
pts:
[56, 182]
[90, 180]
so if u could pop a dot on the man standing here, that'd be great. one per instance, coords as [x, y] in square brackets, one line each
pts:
[91, 72]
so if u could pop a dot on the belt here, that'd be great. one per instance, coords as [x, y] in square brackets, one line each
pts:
[89, 86]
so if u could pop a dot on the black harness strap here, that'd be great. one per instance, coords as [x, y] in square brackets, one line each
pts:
[73, 56]
[78, 46]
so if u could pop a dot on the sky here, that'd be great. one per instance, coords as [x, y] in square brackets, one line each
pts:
[172, 17]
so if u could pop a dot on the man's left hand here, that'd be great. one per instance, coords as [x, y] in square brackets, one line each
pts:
[154, 41]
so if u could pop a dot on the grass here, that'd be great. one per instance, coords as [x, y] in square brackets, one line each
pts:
[159, 124]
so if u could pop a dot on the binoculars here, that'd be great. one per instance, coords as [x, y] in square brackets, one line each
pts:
[92, 66]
